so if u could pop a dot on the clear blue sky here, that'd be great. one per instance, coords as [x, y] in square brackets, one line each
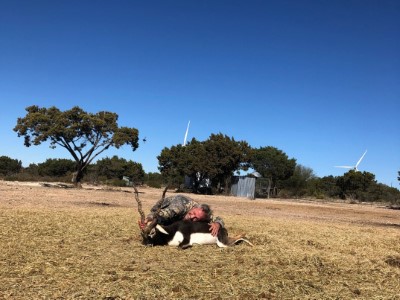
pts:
[319, 80]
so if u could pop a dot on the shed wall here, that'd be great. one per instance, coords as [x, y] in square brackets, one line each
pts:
[243, 187]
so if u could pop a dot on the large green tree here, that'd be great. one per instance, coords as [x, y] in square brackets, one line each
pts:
[356, 184]
[84, 135]
[327, 186]
[179, 161]
[116, 167]
[272, 164]
[196, 163]
[171, 162]
[215, 159]
[227, 156]
[299, 182]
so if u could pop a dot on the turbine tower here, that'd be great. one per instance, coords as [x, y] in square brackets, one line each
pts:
[355, 168]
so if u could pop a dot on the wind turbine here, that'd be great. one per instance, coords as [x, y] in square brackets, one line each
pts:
[186, 133]
[355, 168]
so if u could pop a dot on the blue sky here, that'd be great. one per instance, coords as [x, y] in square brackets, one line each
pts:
[319, 80]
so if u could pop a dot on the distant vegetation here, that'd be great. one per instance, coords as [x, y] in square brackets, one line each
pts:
[353, 186]
[207, 165]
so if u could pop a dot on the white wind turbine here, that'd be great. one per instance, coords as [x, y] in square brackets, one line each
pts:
[355, 168]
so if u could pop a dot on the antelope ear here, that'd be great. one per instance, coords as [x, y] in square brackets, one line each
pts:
[161, 229]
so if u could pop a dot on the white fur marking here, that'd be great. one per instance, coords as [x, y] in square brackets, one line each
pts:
[176, 240]
[202, 239]
[221, 245]
[196, 238]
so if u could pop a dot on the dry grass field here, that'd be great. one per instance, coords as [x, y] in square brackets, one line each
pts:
[61, 243]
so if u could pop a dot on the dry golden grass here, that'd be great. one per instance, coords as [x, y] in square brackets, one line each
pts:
[84, 244]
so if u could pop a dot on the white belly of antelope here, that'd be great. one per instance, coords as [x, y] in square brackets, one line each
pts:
[196, 238]
[176, 240]
[202, 239]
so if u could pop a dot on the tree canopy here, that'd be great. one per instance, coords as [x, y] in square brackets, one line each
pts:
[84, 135]
[214, 159]
[273, 164]
[355, 184]
[298, 182]
[116, 167]
[226, 156]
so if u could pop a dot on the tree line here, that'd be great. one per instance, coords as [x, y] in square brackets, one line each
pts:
[210, 163]
[353, 185]
[109, 171]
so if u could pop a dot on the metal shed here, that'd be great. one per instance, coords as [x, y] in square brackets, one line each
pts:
[243, 186]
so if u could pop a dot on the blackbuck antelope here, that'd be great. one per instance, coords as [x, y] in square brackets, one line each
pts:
[184, 234]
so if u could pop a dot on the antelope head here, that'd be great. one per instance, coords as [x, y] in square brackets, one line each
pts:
[150, 225]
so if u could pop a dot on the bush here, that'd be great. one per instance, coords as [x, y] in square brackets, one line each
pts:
[154, 184]
[117, 182]
[9, 166]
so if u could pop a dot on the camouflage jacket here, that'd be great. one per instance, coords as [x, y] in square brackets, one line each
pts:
[174, 208]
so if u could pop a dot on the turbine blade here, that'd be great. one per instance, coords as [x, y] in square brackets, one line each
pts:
[186, 133]
[361, 158]
[346, 167]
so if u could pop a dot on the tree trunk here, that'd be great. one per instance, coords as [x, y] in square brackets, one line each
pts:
[227, 185]
[269, 188]
[77, 178]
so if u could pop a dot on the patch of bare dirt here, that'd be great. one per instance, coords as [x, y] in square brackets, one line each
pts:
[59, 196]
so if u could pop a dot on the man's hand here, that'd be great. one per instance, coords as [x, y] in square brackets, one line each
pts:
[214, 228]
[142, 225]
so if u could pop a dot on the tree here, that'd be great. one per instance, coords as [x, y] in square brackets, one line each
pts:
[327, 186]
[84, 135]
[214, 159]
[273, 164]
[298, 183]
[116, 168]
[9, 166]
[179, 161]
[171, 162]
[33, 170]
[226, 156]
[356, 185]
[154, 180]
[56, 167]
[196, 164]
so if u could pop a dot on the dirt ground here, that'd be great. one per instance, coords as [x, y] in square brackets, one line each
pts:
[58, 242]
[52, 196]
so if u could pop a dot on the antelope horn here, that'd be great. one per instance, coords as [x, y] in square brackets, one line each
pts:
[164, 192]
[160, 202]
[140, 209]
[147, 229]
[153, 223]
